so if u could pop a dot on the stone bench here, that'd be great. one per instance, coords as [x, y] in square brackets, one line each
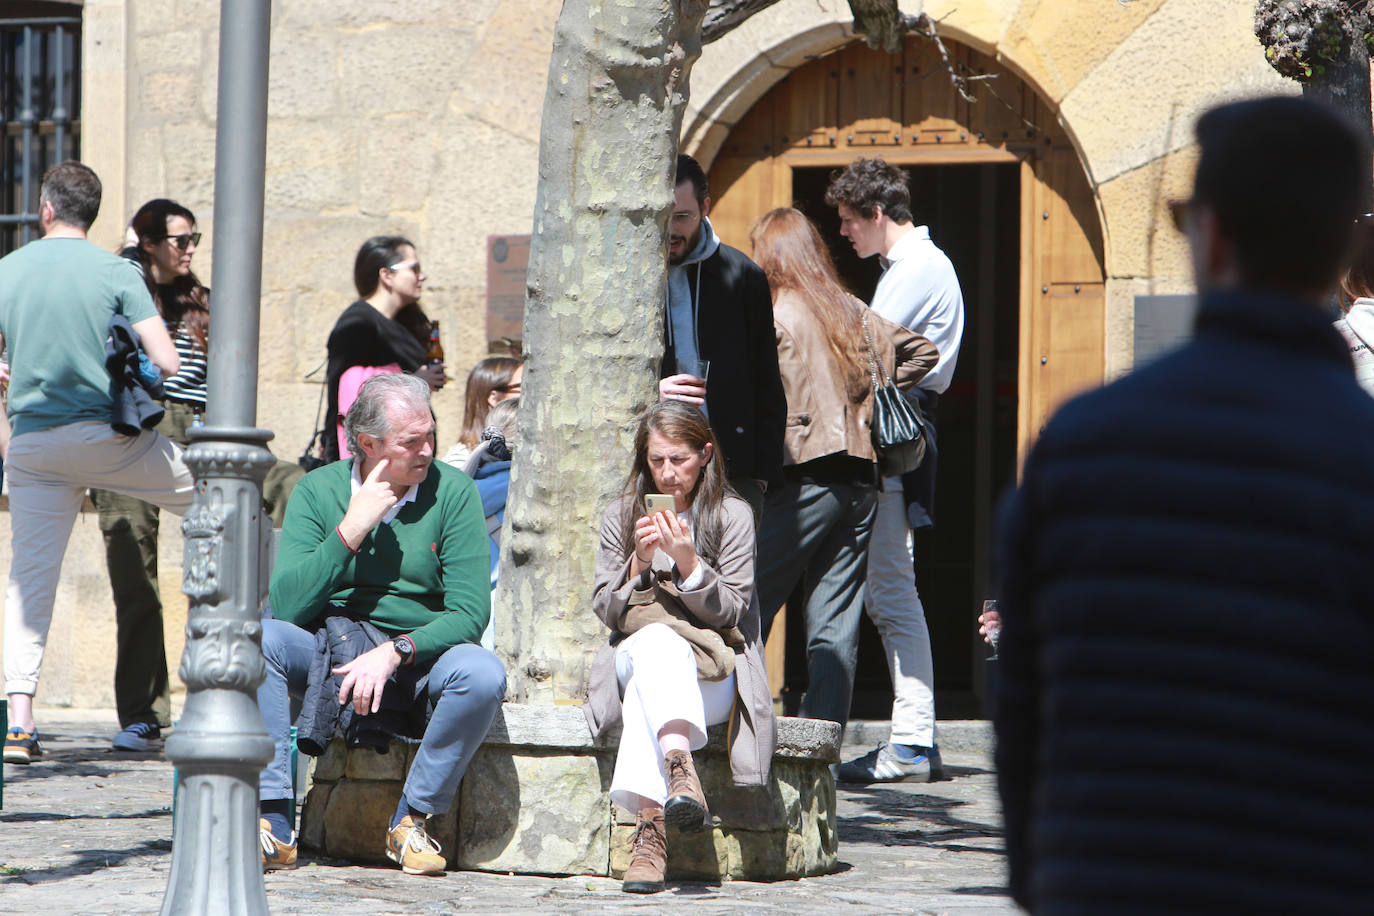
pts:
[536, 800]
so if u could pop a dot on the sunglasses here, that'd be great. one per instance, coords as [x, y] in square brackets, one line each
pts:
[406, 265]
[184, 241]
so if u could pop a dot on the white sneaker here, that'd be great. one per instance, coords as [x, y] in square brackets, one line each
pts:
[882, 764]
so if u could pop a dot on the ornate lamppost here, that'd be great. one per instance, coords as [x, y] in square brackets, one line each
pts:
[220, 744]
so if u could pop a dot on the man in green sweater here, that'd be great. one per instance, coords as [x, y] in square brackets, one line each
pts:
[393, 538]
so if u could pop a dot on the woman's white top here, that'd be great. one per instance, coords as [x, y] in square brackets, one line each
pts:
[1357, 327]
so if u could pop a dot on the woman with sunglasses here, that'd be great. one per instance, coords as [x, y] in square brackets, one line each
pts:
[162, 239]
[385, 330]
[493, 380]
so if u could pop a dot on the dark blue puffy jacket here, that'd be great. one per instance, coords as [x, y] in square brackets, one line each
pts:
[1184, 715]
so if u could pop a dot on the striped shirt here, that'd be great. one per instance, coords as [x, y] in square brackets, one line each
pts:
[188, 385]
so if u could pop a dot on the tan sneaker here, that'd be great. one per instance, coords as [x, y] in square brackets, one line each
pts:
[686, 805]
[414, 850]
[648, 855]
[275, 853]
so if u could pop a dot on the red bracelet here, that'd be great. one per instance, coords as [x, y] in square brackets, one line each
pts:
[345, 541]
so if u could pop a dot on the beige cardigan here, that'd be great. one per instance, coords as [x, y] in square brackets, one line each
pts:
[725, 599]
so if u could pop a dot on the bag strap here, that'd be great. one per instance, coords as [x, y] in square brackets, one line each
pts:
[319, 406]
[874, 364]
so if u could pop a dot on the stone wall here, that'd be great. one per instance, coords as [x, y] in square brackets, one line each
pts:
[417, 117]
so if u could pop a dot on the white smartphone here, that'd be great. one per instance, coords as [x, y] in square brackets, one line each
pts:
[655, 503]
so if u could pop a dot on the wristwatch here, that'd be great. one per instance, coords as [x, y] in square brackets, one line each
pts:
[404, 648]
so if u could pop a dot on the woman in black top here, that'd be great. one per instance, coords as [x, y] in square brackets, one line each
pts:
[386, 325]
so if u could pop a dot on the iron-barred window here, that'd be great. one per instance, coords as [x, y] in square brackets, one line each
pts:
[40, 106]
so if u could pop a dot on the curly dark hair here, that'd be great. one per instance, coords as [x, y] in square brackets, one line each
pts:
[867, 184]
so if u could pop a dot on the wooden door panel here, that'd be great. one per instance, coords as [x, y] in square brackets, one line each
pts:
[1004, 103]
[870, 100]
[806, 107]
[1070, 352]
[931, 110]
[1073, 245]
[746, 190]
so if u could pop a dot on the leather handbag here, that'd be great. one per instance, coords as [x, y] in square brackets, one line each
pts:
[899, 433]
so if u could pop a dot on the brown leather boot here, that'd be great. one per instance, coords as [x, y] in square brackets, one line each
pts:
[686, 805]
[648, 854]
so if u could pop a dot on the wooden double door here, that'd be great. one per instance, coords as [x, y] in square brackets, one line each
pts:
[1005, 196]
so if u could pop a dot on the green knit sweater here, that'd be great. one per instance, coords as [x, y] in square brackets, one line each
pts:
[427, 573]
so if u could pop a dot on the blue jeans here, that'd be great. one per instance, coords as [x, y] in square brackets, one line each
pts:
[467, 684]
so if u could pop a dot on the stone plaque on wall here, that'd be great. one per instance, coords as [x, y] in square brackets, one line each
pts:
[1162, 323]
[508, 256]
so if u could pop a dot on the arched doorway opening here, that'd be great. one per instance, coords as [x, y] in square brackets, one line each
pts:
[1005, 195]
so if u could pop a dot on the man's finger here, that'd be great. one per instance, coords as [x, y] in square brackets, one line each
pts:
[380, 466]
[346, 688]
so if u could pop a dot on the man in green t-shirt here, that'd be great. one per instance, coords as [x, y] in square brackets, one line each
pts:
[57, 297]
[398, 541]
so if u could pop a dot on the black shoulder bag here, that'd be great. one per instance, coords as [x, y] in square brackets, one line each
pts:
[899, 433]
[313, 456]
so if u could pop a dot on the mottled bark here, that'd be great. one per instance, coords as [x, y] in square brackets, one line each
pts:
[1325, 46]
[593, 319]
[1344, 86]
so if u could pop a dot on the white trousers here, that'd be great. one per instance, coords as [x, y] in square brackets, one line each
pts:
[895, 608]
[49, 472]
[657, 673]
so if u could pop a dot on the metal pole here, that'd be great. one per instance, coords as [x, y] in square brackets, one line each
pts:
[26, 118]
[59, 102]
[221, 745]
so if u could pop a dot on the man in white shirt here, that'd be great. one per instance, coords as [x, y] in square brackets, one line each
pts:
[918, 289]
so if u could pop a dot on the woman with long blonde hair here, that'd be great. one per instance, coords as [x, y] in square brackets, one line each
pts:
[816, 526]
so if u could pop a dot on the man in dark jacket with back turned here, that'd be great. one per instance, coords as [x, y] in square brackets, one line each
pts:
[1183, 716]
[719, 311]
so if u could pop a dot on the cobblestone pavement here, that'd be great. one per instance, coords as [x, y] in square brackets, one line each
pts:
[87, 830]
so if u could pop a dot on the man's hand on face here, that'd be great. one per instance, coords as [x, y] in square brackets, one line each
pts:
[683, 387]
[365, 510]
[366, 675]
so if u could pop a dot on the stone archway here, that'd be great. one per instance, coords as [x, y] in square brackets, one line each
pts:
[1001, 186]
[1096, 158]
[1123, 82]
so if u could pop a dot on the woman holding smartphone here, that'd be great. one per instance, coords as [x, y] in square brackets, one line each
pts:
[675, 586]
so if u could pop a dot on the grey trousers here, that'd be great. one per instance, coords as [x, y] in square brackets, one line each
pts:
[818, 535]
[467, 683]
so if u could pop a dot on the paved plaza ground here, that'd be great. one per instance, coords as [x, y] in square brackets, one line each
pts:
[87, 830]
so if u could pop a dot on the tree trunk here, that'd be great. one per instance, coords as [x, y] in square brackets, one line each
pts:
[1344, 86]
[593, 320]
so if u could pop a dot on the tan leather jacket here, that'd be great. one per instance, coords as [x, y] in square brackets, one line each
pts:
[821, 419]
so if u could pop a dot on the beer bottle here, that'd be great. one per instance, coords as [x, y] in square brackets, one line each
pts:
[435, 354]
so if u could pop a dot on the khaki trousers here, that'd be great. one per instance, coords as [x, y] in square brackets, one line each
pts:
[50, 471]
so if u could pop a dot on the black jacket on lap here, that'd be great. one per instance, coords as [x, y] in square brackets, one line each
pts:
[404, 712]
[1187, 586]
